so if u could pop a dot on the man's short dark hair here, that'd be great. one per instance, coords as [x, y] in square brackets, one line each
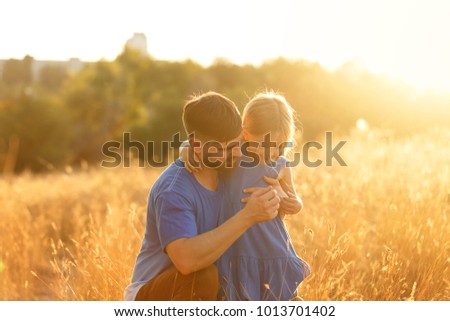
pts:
[212, 116]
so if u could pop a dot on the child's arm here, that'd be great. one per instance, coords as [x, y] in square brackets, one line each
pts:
[292, 204]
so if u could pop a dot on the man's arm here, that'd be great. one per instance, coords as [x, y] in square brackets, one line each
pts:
[195, 253]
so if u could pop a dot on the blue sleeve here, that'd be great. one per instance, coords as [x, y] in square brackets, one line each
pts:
[274, 170]
[282, 162]
[174, 218]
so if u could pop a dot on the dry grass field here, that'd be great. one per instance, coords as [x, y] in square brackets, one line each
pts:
[377, 229]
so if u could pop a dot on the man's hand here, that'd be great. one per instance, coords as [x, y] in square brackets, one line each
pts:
[262, 205]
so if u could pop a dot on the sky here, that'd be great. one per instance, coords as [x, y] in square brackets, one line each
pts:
[403, 39]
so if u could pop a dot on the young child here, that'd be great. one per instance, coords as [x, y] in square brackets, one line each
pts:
[262, 263]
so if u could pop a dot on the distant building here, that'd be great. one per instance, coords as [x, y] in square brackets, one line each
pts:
[138, 42]
[74, 65]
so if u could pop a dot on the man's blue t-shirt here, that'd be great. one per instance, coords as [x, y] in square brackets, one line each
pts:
[178, 207]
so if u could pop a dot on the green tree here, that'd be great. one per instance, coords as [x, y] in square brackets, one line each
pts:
[40, 125]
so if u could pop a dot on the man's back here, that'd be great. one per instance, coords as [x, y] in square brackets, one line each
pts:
[178, 207]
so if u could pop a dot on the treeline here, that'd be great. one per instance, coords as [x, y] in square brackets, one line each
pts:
[64, 118]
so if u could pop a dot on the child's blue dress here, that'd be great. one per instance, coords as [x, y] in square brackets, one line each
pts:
[262, 263]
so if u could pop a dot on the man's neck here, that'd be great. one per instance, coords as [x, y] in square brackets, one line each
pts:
[208, 178]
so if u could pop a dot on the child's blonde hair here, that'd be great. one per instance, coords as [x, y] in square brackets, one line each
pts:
[269, 112]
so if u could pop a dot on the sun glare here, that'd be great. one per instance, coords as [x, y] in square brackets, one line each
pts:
[402, 39]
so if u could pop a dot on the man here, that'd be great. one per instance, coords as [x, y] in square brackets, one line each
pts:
[182, 240]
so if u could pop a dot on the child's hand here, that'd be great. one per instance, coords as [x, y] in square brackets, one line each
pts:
[191, 163]
[291, 205]
[275, 183]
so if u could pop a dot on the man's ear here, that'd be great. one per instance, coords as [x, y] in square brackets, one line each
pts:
[191, 140]
[194, 143]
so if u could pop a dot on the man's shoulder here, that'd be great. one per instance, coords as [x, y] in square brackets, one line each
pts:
[174, 179]
[172, 188]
